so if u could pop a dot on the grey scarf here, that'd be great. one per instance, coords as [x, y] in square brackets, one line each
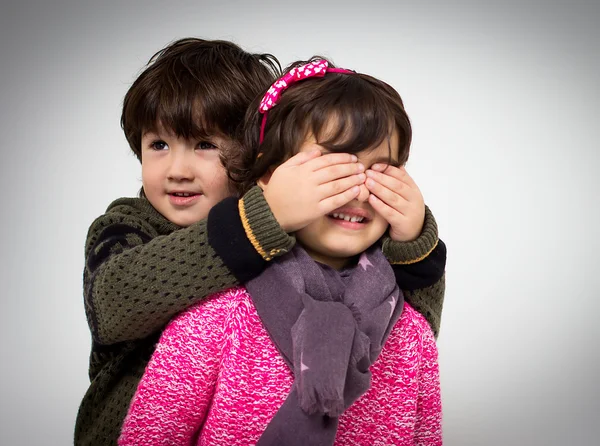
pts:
[329, 327]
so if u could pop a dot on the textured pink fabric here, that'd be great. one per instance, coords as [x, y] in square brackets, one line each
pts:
[216, 378]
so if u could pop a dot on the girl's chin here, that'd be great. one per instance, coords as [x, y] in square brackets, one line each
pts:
[336, 258]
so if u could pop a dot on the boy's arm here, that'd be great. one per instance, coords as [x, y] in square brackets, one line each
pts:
[141, 270]
[419, 268]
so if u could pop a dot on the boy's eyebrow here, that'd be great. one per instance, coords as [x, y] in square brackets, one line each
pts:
[149, 132]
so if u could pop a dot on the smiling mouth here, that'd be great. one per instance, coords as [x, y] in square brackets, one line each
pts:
[183, 199]
[183, 194]
[348, 218]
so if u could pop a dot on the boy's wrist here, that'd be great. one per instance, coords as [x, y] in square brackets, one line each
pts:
[262, 228]
[405, 253]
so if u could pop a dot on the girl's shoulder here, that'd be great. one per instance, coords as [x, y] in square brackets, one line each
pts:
[413, 325]
[216, 310]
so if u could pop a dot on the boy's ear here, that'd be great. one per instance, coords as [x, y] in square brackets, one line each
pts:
[263, 181]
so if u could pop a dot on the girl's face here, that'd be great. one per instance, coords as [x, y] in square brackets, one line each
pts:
[351, 229]
[183, 178]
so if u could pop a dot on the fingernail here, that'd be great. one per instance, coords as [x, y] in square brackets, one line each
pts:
[355, 190]
[370, 182]
[361, 167]
[361, 176]
[370, 173]
[354, 158]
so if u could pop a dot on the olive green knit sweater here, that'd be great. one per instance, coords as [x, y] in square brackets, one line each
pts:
[141, 270]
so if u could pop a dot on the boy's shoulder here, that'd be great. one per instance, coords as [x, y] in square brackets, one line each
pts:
[130, 220]
[135, 212]
[130, 206]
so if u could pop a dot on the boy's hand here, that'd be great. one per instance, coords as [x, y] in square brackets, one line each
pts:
[310, 185]
[397, 198]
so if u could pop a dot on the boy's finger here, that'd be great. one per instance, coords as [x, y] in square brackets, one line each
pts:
[394, 184]
[387, 212]
[405, 177]
[336, 201]
[330, 159]
[399, 173]
[389, 197]
[337, 171]
[341, 185]
[302, 157]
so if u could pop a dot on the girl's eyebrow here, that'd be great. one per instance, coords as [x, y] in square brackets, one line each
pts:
[386, 160]
[380, 160]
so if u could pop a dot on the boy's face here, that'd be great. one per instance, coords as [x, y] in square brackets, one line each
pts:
[183, 179]
[333, 239]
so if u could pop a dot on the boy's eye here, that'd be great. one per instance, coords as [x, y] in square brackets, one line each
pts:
[159, 145]
[205, 145]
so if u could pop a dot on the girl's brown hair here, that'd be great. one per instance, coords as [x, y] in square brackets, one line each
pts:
[345, 113]
[196, 88]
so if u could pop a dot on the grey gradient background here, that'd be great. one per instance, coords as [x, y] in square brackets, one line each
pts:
[504, 99]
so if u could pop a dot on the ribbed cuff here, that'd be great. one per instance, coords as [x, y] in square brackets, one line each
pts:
[228, 238]
[405, 253]
[262, 229]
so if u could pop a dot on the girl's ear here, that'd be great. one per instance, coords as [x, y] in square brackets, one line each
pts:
[263, 181]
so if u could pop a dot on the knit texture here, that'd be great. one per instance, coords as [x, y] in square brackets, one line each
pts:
[264, 232]
[140, 271]
[429, 302]
[405, 253]
[216, 371]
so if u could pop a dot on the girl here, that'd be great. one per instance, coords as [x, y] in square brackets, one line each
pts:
[321, 347]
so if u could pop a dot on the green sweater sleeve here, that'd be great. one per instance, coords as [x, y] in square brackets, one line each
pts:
[419, 268]
[141, 269]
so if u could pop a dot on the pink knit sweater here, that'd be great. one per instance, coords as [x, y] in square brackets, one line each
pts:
[216, 378]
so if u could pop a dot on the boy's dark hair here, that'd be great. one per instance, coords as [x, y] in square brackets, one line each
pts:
[195, 88]
[345, 113]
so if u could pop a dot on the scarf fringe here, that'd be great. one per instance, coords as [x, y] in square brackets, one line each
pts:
[322, 402]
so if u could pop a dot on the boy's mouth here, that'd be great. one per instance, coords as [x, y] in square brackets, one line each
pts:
[181, 198]
[183, 194]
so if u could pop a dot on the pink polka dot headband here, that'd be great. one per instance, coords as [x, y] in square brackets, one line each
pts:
[317, 68]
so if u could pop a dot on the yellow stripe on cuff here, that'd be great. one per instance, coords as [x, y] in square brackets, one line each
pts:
[249, 232]
[411, 261]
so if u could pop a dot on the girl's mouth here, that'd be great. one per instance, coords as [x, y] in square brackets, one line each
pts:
[348, 221]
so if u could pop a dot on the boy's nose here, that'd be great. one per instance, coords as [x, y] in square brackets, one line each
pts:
[363, 194]
[180, 168]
